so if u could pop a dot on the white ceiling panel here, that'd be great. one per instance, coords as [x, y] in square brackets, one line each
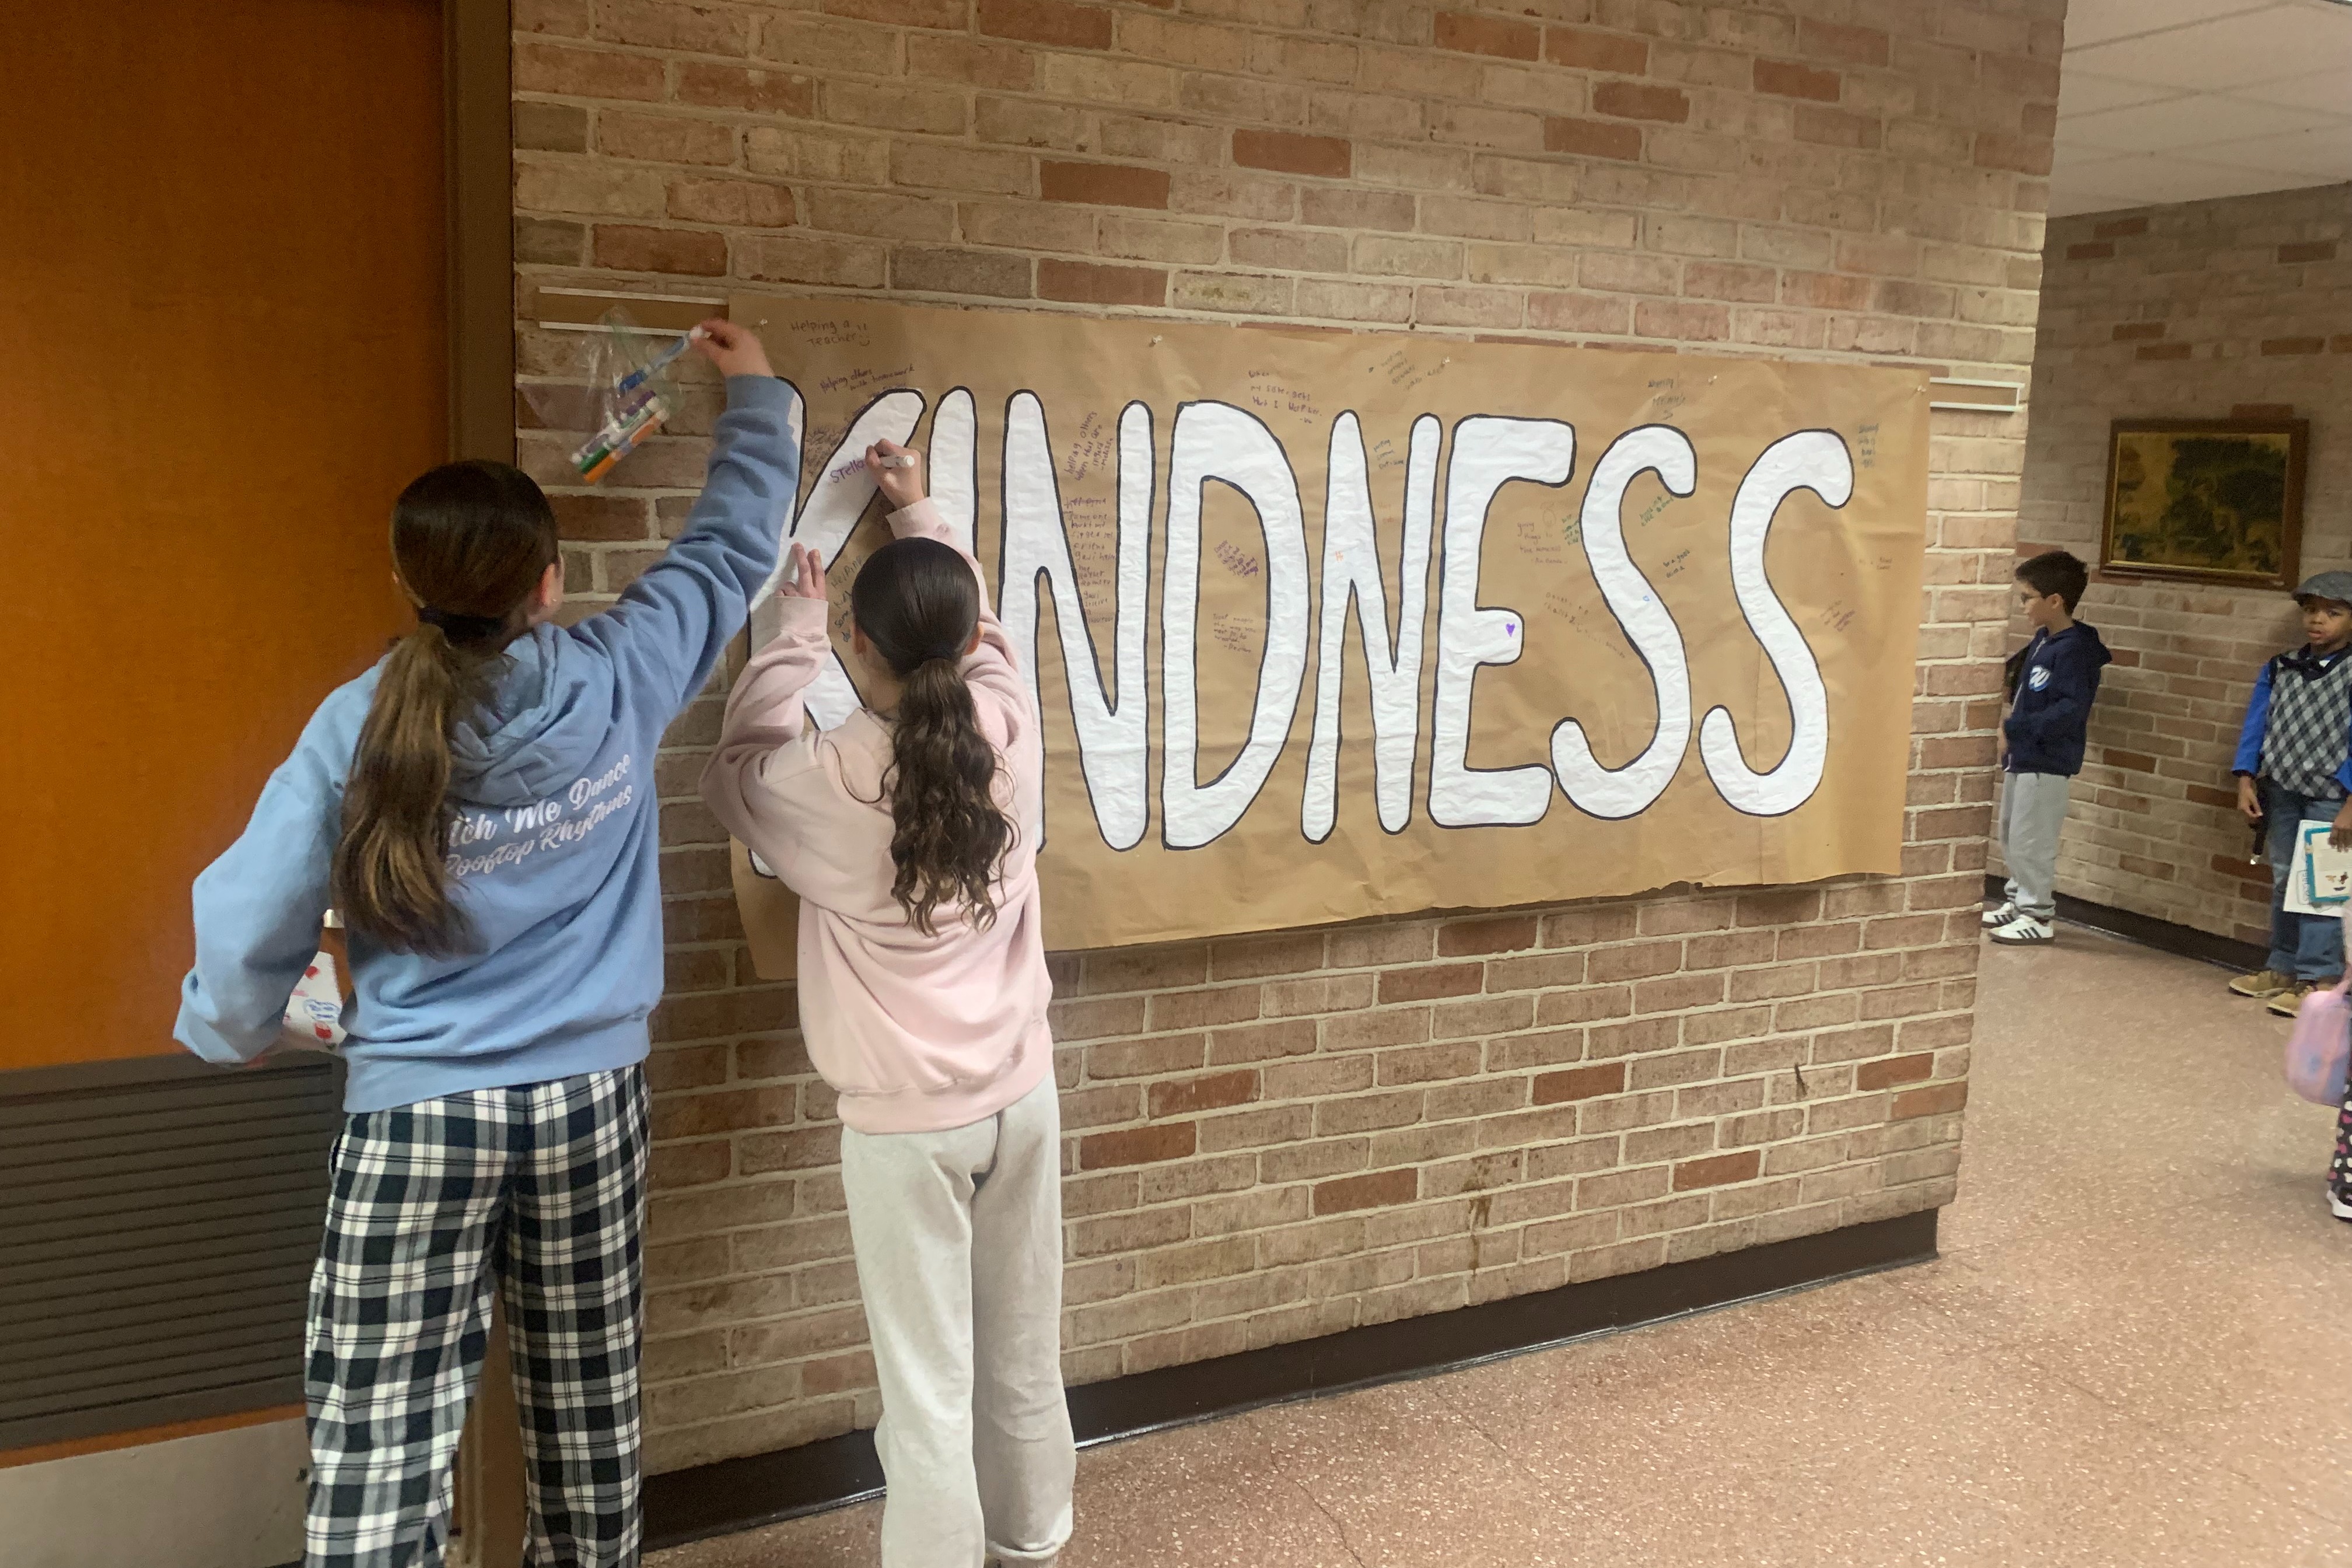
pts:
[2270, 45]
[2328, 91]
[2176, 101]
[2200, 119]
[2102, 21]
[2326, 153]
[2081, 93]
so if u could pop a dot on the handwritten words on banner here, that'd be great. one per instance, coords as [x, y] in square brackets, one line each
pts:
[1326, 624]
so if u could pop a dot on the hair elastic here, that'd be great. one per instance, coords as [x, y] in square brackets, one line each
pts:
[461, 629]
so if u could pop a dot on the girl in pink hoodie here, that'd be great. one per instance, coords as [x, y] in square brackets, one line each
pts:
[922, 995]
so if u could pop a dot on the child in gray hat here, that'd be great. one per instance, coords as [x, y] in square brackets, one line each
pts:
[2293, 766]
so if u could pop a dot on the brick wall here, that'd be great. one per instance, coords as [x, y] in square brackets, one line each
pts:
[2199, 311]
[1281, 1137]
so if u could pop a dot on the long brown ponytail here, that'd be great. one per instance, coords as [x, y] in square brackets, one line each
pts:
[471, 541]
[917, 601]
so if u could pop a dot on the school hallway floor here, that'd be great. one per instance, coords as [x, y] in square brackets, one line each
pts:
[2135, 1350]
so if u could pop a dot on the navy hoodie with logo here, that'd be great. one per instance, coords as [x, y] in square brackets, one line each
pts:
[2057, 678]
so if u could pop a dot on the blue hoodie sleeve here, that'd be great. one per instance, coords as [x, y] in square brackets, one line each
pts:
[672, 624]
[257, 908]
[2257, 726]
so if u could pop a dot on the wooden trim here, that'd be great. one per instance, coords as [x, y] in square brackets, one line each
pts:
[477, 87]
[41, 1454]
[743, 1494]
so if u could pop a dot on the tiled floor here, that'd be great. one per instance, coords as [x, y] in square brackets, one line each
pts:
[2137, 1350]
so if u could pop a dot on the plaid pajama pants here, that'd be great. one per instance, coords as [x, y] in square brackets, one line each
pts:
[537, 1191]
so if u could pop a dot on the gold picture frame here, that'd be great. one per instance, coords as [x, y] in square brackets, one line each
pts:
[2205, 501]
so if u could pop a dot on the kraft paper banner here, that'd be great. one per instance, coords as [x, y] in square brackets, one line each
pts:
[1330, 625]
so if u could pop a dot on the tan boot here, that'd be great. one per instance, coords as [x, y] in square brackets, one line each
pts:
[2287, 1004]
[2262, 982]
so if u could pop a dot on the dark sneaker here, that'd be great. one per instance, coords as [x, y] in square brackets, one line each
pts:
[2262, 982]
[2025, 931]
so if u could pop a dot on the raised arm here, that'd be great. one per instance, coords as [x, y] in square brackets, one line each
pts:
[766, 738]
[674, 620]
[993, 666]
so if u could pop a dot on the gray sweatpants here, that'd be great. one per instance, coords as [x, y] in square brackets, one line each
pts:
[959, 1243]
[2032, 809]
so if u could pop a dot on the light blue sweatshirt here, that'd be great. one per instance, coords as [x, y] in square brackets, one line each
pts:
[555, 853]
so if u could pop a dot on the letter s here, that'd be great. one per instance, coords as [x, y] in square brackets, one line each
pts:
[1814, 460]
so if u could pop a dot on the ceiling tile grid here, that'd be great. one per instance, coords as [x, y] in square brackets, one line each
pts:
[2181, 101]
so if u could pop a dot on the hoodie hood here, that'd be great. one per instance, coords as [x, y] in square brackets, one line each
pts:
[542, 727]
[2086, 644]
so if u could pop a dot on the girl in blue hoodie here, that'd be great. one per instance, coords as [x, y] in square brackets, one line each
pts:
[479, 808]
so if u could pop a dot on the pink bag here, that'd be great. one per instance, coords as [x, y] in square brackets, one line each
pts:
[2320, 1049]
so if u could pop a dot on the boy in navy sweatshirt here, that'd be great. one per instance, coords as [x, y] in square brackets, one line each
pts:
[2293, 766]
[2041, 742]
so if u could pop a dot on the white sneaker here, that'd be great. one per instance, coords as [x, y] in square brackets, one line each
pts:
[2000, 916]
[2337, 1204]
[2025, 931]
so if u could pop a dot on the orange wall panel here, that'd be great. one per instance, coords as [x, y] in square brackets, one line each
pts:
[224, 353]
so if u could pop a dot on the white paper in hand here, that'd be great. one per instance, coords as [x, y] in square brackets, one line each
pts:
[315, 1012]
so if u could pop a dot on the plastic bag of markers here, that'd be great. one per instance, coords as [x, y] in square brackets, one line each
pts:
[631, 390]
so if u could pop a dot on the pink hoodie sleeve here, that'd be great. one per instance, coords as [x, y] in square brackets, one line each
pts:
[767, 738]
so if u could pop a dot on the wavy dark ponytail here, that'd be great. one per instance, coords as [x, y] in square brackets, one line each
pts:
[917, 601]
[471, 540]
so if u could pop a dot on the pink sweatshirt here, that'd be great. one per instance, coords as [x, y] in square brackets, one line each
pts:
[917, 1033]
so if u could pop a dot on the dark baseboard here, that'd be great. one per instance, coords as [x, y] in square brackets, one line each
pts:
[2184, 941]
[734, 1495]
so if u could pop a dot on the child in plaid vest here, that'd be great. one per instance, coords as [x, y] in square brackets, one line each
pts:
[2293, 766]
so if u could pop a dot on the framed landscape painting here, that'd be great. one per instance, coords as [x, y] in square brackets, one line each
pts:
[2212, 500]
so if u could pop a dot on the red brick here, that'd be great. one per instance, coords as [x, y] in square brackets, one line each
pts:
[1786, 80]
[1580, 1083]
[1888, 1071]
[2090, 250]
[1498, 35]
[629, 248]
[608, 517]
[1592, 138]
[2308, 250]
[1053, 22]
[2136, 332]
[1508, 935]
[1937, 1100]
[1285, 151]
[740, 203]
[1103, 185]
[2019, 154]
[1437, 980]
[1137, 1145]
[1211, 1091]
[734, 87]
[1717, 1169]
[703, 30]
[1641, 101]
[586, 73]
[2164, 350]
[2295, 345]
[905, 13]
[1836, 41]
[1381, 1189]
[2120, 228]
[1095, 284]
[1590, 50]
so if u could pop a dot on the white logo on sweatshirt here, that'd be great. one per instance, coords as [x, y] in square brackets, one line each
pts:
[540, 824]
[2040, 679]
